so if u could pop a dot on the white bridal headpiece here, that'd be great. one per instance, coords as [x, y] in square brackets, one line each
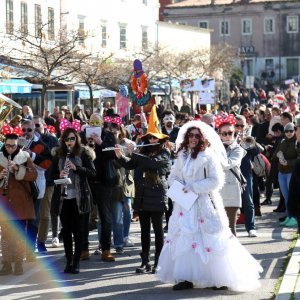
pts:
[209, 133]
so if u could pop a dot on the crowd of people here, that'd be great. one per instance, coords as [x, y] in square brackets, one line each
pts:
[73, 170]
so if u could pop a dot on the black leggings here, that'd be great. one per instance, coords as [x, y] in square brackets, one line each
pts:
[72, 223]
[156, 218]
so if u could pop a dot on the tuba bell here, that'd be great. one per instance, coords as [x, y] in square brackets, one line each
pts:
[248, 142]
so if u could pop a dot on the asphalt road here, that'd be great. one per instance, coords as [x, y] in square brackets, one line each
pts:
[44, 279]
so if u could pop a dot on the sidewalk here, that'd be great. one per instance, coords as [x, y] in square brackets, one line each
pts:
[45, 279]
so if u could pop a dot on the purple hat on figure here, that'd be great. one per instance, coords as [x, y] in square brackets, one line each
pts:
[138, 68]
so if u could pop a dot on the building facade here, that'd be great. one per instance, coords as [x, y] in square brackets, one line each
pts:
[264, 33]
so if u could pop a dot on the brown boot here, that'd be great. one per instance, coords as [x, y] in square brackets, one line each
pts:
[18, 268]
[85, 255]
[107, 256]
[6, 269]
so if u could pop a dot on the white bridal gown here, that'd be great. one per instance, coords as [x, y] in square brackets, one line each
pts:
[199, 246]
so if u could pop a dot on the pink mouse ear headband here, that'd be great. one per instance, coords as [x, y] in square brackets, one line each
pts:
[116, 120]
[64, 124]
[6, 129]
[221, 119]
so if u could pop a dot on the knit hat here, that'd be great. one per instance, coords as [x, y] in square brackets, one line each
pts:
[289, 126]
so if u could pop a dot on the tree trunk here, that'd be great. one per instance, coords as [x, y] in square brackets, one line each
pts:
[91, 98]
[44, 100]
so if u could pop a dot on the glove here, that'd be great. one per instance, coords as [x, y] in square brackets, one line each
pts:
[188, 188]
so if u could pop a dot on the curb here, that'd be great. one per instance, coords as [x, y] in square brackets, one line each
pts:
[291, 281]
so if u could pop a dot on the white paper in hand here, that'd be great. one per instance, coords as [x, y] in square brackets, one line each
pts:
[175, 192]
[90, 130]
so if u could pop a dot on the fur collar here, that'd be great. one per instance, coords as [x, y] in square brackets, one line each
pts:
[88, 150]
[19, 159]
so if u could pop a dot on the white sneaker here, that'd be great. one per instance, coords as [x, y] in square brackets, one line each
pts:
[252, 233]
[128, 242]
[55, 242]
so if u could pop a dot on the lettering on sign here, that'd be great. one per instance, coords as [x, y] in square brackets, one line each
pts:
[247, 49]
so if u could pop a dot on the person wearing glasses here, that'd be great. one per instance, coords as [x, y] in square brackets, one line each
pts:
[150, 195]
[231, 192]
[200, 249]
[41, 157]
[72, 202]
[16, 171]
[248, 208]
[287, 153]
[51, 141]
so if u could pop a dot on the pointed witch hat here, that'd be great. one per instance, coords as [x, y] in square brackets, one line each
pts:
[152, 129]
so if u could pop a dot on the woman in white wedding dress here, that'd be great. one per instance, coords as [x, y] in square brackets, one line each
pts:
[199, 249]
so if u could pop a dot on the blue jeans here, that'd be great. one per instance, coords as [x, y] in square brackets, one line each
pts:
[284, 182]
[247, 199]
[32, 225]
[121, 216]
[127, 215]
[117, 223]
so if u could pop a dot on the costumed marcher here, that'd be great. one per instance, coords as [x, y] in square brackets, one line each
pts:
[169, 128]
[150, 196]
[200, 249]
[72, 201]
[16, 173]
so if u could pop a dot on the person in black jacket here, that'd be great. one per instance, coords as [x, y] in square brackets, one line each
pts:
[73, 201]
[150, 196]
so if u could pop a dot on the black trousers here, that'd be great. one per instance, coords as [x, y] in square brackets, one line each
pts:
[156, 218]
[72, 224]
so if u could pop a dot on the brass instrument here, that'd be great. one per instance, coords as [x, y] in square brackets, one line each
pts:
[6, 107]
[248, 142]
[65, 186]
[6, 178]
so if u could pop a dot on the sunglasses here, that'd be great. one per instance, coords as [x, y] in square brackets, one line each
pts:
[238, 125]
[289, 131]
[229, 133]
[151, 137]
[37, 125]
[70, 139]
[194, 135]
[27, 129]
[11, 146]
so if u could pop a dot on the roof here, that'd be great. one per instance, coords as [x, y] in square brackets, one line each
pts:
[193, 3]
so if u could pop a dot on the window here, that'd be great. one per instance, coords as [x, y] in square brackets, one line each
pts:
[103, 35]
[292, 24]
[24, 18]
[122, 36]
[50, 23]
[9, 16]
[269, 25]
[81, 32]
[246, 26]
[144, 37]
[203, 24]
[269, 64]
[37, 20]
[224, 28]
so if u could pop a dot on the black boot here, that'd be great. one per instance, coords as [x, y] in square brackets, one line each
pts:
[267, 202]
[68, 267]
[6, 269]
[75, 267]
[145, 266]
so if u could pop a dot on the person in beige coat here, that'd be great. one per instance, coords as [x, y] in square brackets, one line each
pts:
[16, 173]
[231, 192]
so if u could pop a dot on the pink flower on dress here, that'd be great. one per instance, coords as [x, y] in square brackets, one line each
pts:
[181, 214]
[168, 241]
[201, 220]
[207, 249]
[194, 245]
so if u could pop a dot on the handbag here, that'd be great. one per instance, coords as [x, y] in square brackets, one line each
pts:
[241, 179]
[34, 190]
